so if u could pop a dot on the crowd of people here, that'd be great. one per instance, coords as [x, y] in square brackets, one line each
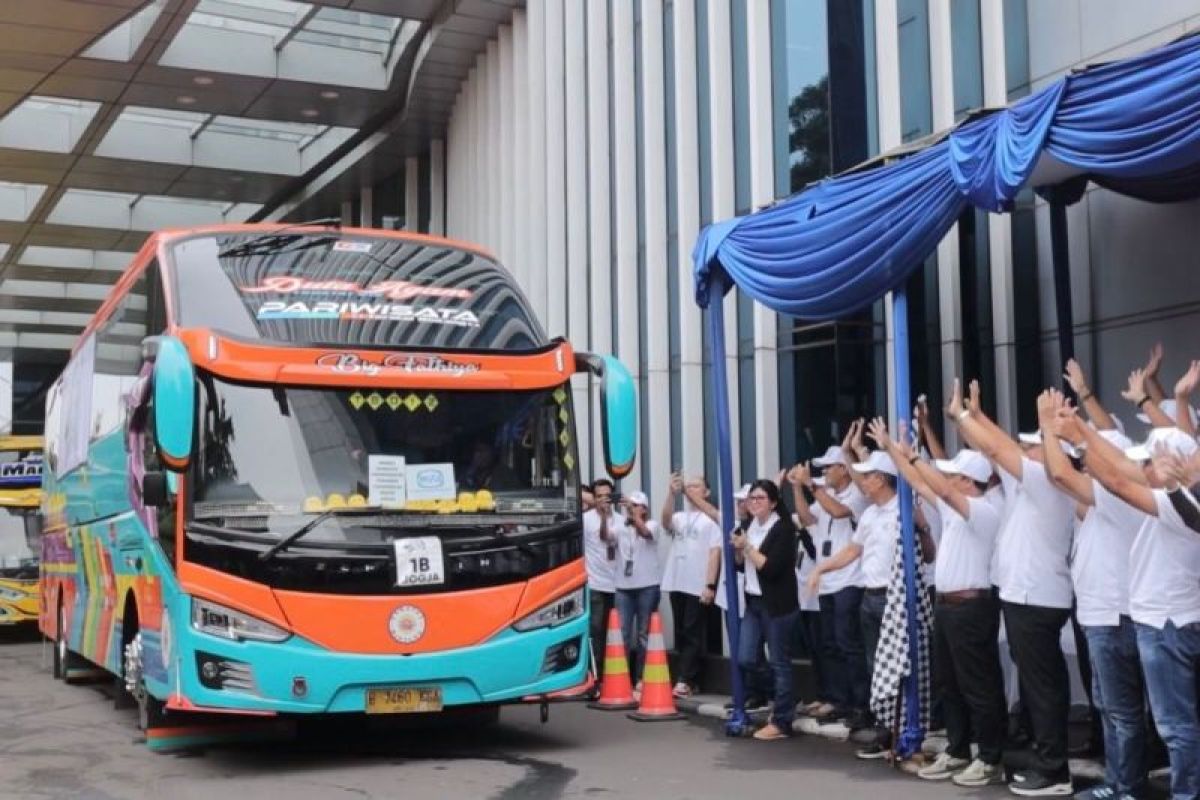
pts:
[1069, 524]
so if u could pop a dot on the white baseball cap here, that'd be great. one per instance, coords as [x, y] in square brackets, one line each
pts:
[832, 456]
[639, 499]
[969, 463]
[1034, 438]
[878, 461]
[1168, 407]
[1173, 438]
[742, 493]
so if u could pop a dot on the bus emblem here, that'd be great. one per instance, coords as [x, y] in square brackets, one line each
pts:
[355, 364]
[407, 624]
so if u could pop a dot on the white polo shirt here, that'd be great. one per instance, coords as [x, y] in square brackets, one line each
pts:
[601, 570]
[831, 534]
[1100, 559]
[965, 552]
[1164, 569]
[641, 555]
[998, 497]
[933, 517]
[877, 533]
[693, 535]
[1035, 543]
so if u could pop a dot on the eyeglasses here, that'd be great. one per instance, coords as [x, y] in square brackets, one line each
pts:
[757, 497]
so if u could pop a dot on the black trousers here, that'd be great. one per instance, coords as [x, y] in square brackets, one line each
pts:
[689, 616]
[1033, 640]
[967, 658]
[601, 605]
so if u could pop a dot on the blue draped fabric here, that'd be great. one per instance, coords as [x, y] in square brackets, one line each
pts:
[1131, 125]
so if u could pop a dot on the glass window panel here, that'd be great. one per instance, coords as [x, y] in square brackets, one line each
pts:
[967, 55]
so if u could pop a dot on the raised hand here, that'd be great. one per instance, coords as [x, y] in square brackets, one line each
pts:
[1187, 383]
[1155, 361]
[974, 404]
[879, 433]
[1067, 424]
[1135, 389]
[799, 475]
[781, 477]
[954, 407]
[1075, 378]
[676, 484]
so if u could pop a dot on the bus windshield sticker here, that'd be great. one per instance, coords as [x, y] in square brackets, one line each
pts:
[280, 309]
[394, 363]
[419, 562]
[386, 481]
[431, 482]
[347, 246]
[389, 290]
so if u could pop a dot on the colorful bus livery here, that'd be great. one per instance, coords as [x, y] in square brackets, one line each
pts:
[20, 497]
[251, 513]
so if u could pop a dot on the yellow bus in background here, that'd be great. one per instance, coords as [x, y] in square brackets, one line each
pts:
[20, 527]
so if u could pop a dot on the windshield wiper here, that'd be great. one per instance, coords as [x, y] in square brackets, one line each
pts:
[275, 235]
[308, 527]
[273, 244]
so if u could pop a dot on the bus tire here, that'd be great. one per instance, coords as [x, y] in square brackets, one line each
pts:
[122, 697]
[151, 710]
[64, 659]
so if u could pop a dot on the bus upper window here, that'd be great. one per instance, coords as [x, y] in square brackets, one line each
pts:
[323, 288]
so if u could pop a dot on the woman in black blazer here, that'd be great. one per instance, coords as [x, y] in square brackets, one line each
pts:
[766, 550]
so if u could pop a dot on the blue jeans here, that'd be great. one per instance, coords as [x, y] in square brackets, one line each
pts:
[634, 607]
[1171, 660]
[1118, 694]
[759, 626]
[846, 684]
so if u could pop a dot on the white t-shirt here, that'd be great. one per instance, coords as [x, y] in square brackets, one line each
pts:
[804, 568]
[830, 535]
[965, 552]
[1100, 558]
[878, 532]
[1164, 570]
[641, 556]
[755, 534]
[693, 535]
[1000, 496]
[933, 518]
[601, 570]
[1035, 543]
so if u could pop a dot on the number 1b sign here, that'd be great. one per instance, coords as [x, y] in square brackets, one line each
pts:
[419, 561]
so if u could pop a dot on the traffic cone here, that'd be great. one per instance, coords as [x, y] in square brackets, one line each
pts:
[616, 690]
[657, 701]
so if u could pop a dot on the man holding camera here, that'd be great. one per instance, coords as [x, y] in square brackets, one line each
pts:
[600, 527]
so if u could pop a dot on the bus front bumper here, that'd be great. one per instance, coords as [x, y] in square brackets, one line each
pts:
[299, 677]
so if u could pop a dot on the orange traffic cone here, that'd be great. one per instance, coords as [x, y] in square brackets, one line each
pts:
[657, 701]
[616, 690]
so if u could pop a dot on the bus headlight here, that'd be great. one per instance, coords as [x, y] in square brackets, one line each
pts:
[218, 620]
[564, 609]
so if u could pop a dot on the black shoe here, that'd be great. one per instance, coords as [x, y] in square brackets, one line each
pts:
[1030, 783]
[857, 720]
[872, 752]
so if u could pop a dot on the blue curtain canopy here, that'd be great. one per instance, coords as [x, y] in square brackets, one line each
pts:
[1132, 126]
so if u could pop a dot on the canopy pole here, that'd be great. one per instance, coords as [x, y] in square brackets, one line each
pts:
[738, 723]
[912, 735]
[1061, 259]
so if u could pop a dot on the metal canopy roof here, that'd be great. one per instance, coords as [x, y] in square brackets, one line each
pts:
[118, 117]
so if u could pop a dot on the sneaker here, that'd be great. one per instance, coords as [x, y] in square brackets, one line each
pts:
[1030, 783]
[942, 768]
[752, 705]
[1103, 792]
[872, 752]
[681, 689]
[979, 773]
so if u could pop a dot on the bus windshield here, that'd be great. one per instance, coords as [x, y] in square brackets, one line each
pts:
[270, 455]
[326, 288]
[18, 538]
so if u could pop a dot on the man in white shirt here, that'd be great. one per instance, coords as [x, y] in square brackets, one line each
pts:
[1035, 591]
[600, 526]
[1100, 575]
[690, 574]
[830, 519]
[1164, 589]
[637, 578]
[967, 621]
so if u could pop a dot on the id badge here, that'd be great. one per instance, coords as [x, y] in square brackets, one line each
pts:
[628, 567]
[827, 548]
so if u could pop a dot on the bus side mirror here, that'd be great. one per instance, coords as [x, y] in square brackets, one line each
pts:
[618, 411]
[174, 400]
[154, 489]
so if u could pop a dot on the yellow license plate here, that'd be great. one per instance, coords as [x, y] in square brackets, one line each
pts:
[404, 701]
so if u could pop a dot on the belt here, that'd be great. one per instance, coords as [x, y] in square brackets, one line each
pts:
[963, 596]
[876, 592]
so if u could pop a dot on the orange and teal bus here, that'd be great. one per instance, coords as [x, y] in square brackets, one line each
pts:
[307, 470]
[20, 500]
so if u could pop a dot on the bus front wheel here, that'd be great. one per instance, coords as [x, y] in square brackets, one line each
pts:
[150, 709]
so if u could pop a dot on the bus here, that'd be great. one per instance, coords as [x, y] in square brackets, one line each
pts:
[20, 499]
[307, 469]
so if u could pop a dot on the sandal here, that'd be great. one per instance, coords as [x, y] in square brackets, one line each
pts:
[769, 733]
